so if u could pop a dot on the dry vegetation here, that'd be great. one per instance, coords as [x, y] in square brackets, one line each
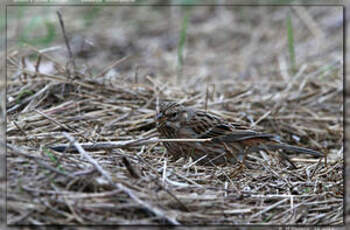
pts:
[236, 63]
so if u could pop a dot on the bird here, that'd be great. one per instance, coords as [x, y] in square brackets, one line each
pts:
[228, 142]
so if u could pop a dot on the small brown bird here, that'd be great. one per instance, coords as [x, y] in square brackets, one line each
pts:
[230, 142]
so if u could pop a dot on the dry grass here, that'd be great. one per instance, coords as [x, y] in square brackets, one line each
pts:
[131, 179]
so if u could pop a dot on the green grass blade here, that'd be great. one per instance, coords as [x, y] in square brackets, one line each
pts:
[291, 49]
[182, 39]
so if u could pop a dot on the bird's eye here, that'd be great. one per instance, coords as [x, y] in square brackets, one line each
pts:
[173, 115]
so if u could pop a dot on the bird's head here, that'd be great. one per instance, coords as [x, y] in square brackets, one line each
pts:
[169, 112]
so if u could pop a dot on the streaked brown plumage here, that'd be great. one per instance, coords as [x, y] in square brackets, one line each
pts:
[230, 141]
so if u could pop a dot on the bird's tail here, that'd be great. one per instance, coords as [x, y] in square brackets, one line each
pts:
[292, 148]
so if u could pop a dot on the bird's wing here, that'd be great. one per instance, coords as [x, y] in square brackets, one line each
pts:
[204, 125]
[228, 133]
[197, 124]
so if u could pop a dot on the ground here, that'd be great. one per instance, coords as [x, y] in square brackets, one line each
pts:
[276, 68]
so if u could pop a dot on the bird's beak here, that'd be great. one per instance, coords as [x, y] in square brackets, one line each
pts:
[159, 117]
